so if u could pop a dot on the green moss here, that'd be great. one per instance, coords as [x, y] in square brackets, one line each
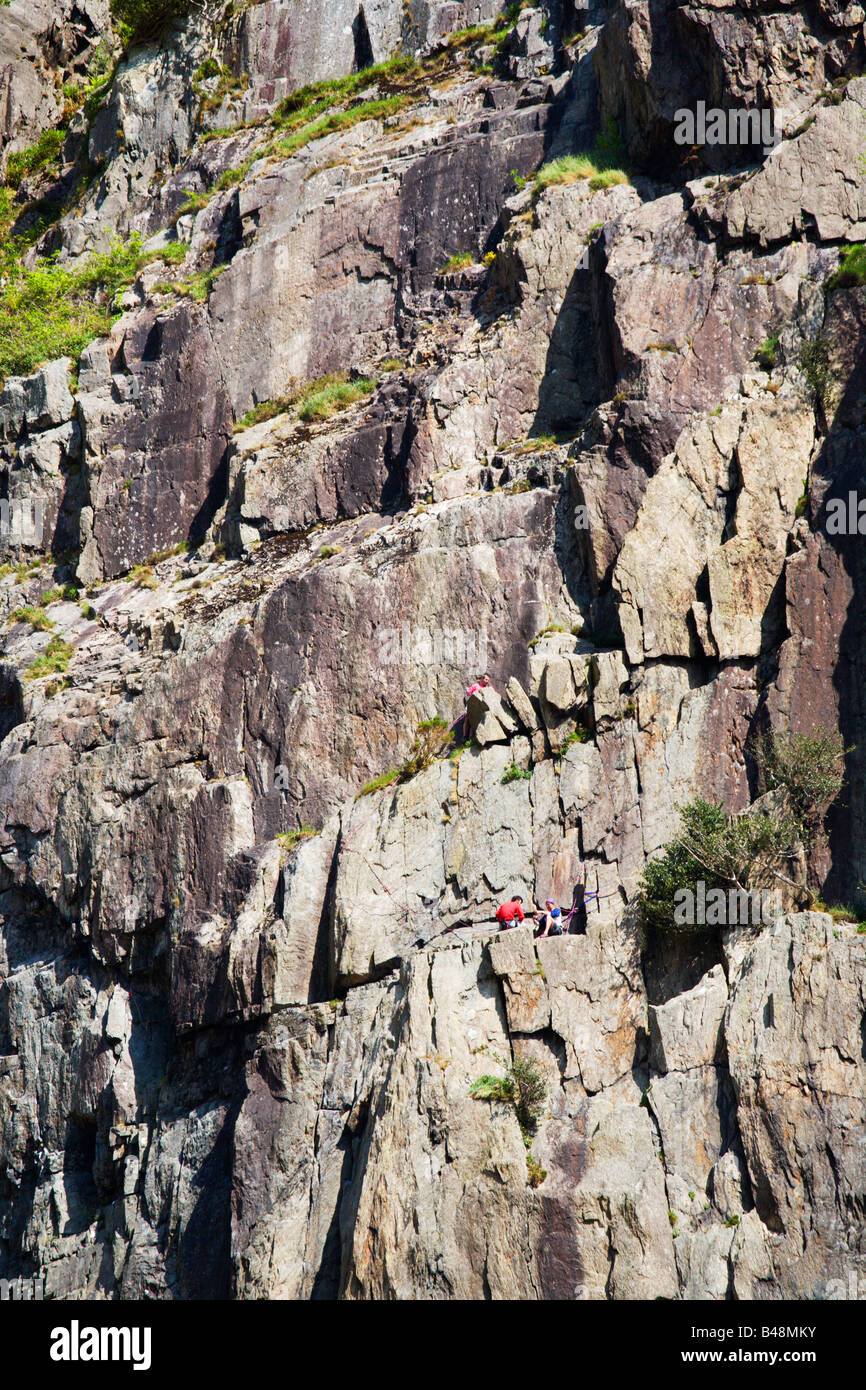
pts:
[767, 353]
[513, 773]
[803, 501]
[289, 839]
[579, 735]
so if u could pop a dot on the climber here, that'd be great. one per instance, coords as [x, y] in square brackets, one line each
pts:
[510, 913]
[481, 684]
[577, 922]
[550, 922]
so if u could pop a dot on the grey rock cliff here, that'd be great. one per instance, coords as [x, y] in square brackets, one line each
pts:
[594, 431]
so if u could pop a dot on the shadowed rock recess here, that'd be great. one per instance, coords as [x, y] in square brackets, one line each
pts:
[365, 411]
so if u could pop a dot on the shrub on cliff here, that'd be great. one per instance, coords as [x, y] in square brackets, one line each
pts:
[748, 851]
[49, 311]
[141, 21]
[716, 850]
[810, 768]
[524, 1087]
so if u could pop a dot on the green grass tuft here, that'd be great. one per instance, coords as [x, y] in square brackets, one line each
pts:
[852, 269]
[36, 617]
[55, 659]
[324, 400]
[457, 262]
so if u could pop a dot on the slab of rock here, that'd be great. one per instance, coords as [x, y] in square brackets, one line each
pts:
[687, 1030]
[521, 704]
[489, 720]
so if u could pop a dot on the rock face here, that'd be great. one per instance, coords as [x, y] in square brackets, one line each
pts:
[377, 414]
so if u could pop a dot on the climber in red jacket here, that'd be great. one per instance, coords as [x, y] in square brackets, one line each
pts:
[509, 914]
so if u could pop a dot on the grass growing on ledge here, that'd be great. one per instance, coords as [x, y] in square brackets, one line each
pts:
[265, 410]
[53, 661]
[457, 262]
[314, 400]
[197, 287]
[378, 784]
[579, 735]
[852, 269]
[433, 738]
[601, 168]
[330, 395]
[327, 123]
[298, 108]
[513, 773]
[36, 617]
[290, 838]
[767, 353]
[840, 912]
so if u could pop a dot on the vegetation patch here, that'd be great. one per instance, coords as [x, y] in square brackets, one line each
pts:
[601, 168]
[51, 311]
[523, 1086]
[814, 362]
[36, 617]
[852, 268]
[378, 784]
[582, 734]
[331, 394]
[41, 156]
[53, 661]
[434, 738]
[264, 410]
[767, 353]
[742, 852]
[143, 21]
[513, 773]
[289, 839]
[457, 262]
